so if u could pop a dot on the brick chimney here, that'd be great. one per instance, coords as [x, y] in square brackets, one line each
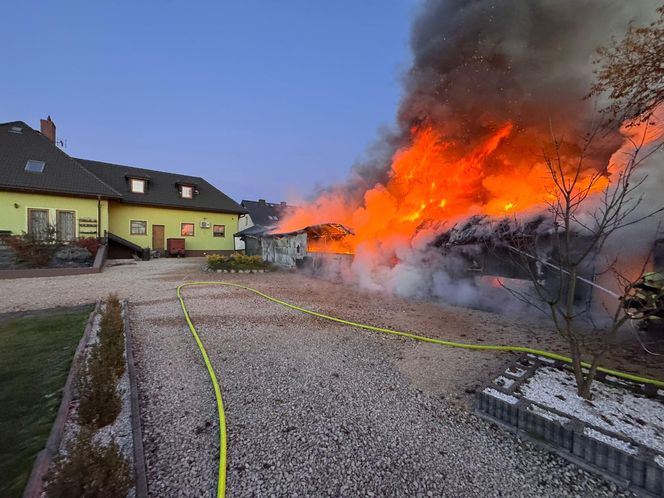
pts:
[48, 128]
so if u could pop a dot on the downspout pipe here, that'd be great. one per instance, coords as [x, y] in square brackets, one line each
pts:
[98, 216]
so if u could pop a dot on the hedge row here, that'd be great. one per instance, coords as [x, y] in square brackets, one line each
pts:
[236, 262]
[88, 468]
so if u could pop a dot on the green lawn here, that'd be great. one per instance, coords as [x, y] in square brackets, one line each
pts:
[35, 355]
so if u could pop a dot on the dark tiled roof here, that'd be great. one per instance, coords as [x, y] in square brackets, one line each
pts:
[62, 174]
[266, 213]
[162, 188]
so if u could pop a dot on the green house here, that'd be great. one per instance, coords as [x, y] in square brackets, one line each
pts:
[133, 208]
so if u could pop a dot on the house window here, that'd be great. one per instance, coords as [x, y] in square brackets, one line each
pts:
[138, 227]
[186, 192]
[137, 186]
[65, 225]
[38, 226]
[33, 166]
[187, 230]
[219, 230]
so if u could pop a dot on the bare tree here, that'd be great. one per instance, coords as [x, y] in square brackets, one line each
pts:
[632, 72]
[575, 241]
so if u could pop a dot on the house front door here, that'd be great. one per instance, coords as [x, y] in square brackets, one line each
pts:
[157, 237]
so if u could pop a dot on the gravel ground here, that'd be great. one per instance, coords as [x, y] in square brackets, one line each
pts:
[178, 410]
[136, 282]
[317, 409]
[313, 407]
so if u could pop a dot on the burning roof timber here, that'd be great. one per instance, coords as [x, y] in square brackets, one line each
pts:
[324, 230]
[482, 229]
[513, 249]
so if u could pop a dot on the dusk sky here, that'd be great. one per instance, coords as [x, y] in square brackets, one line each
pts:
[265, 99]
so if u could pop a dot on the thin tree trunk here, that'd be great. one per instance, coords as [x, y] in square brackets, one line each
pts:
[578, 369]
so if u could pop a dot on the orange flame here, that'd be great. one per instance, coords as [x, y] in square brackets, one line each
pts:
[434, 180]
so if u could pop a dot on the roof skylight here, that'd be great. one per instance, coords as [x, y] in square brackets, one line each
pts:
[33, 166]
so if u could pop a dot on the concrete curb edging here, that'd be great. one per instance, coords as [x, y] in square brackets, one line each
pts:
[136, 427]
[34, 487]
[564, 435]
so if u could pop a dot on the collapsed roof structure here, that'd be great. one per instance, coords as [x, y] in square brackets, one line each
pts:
[290, 249]
[522, 250]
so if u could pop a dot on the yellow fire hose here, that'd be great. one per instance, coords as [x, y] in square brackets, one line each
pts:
[221, 486]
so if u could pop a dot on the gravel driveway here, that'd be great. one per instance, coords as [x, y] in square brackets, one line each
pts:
[318, 409]
[314, 408]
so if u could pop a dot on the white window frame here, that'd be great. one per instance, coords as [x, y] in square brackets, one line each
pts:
[52, 217]
[134, 182]
[188, 223]
[140, 221]
[214, 234]
[49, 219]
[189, 189]
[57, 227]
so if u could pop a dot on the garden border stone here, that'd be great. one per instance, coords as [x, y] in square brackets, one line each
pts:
[207, 269]
[35, 484]
[564, 434]
[140, 476]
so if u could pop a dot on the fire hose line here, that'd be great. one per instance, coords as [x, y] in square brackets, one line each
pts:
[486, 347]
[221, 478]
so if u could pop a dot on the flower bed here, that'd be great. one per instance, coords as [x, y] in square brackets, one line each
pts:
[236, 263]
[619, 433]
[97, 452]
[23, 251]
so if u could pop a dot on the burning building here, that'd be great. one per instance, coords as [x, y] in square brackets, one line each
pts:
[300, 247]
[492, 82]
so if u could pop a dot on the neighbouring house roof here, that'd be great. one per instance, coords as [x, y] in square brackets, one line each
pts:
[266, 214]
[254, 231]
[61, 174]
[163, 188]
